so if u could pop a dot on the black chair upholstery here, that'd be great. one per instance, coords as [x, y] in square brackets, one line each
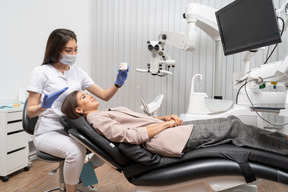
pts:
[28, 126]
[223, 160]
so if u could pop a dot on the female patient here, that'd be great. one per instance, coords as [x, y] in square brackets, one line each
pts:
[167, 136]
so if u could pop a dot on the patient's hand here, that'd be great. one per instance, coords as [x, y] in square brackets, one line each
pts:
[177, 120]
[171, 123]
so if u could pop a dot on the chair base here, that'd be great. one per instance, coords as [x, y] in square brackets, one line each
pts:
[61, 179]
[207, 184]
[56, 189]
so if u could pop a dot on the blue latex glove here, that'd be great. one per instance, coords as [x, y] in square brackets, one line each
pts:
[121, 76]
[49, 99]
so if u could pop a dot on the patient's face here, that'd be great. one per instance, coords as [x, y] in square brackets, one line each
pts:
[87, 102]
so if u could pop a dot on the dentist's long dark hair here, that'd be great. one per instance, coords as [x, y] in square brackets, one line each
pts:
[56, 43]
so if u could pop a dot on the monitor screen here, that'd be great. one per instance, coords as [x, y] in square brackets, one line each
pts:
[247, 24]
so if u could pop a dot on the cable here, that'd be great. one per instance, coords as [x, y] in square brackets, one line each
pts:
[283, 25]
[270, 54]
[257, 112]
[267, 54]
[239, 91]
[282, 30]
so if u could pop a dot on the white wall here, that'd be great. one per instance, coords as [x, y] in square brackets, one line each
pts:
[25, 27]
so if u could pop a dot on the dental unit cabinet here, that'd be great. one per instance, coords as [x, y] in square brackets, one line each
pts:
[14, 146]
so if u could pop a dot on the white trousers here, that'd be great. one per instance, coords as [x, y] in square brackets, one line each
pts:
[51, 138]
[60, 144]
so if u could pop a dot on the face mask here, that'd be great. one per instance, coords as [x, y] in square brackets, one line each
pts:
[68, 59]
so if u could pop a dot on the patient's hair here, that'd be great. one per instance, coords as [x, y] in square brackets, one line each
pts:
[69, 105]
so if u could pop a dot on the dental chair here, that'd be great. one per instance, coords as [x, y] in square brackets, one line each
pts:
[220, 168]
[28, 126]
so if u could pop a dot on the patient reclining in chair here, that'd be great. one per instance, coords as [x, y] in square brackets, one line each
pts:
[168, 136]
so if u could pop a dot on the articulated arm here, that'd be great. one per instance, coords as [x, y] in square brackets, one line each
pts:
[196, 15]
[272, 72]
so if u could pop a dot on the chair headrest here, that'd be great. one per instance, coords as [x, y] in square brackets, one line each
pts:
[65, 124]
[89, 132]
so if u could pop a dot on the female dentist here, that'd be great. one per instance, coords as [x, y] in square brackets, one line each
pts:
[49, 85]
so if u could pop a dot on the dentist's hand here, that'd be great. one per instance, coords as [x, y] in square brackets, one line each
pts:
[121, 76]
[49, 99]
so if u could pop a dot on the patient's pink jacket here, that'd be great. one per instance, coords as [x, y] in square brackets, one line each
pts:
[120, 124]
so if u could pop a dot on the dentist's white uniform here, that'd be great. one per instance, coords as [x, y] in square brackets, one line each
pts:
[49, 134]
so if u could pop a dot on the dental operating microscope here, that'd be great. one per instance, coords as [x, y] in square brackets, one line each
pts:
[248, 98]
[197, 15]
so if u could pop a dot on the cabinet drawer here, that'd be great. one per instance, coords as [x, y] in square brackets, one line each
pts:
[17, 160]
[14, 126]
[12, 116]
[16, 141]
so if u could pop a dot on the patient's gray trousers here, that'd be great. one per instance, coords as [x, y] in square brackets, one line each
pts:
[211, 132]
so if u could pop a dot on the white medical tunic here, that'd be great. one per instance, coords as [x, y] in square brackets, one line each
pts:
[46, 79]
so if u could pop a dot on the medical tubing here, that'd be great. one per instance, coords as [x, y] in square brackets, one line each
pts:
[267, 54]
[270, 54]
[282, 30]
[257, 112]
[237, 95]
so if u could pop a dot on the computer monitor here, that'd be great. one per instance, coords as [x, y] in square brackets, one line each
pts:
[247, 25]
